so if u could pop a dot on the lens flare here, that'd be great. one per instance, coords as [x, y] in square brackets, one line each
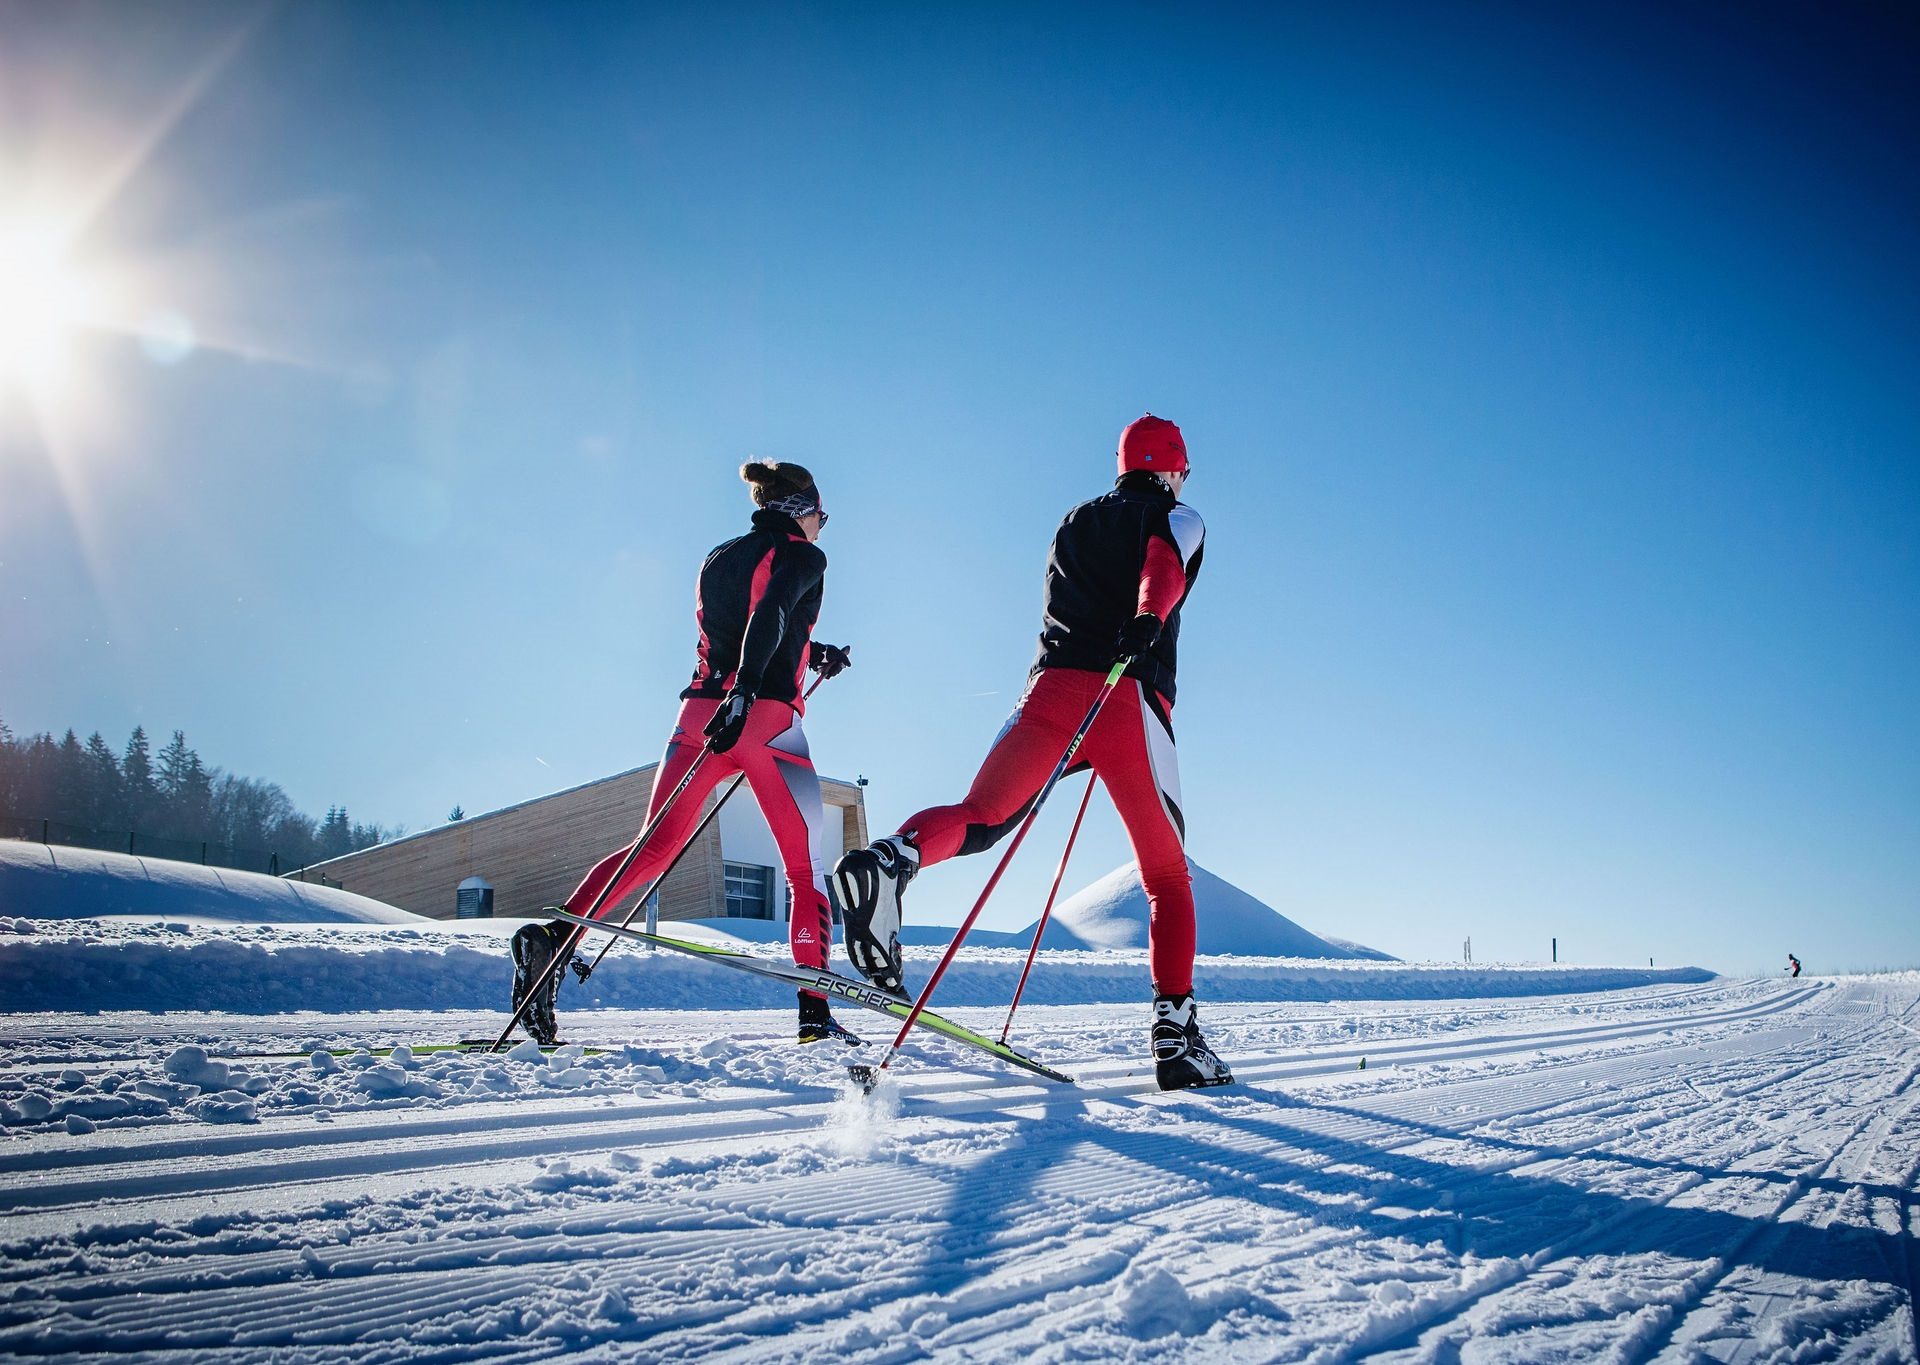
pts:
[45, 299]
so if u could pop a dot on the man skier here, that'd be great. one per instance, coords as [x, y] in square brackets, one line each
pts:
[1793, 965]
[755, 604]
[1119, 570]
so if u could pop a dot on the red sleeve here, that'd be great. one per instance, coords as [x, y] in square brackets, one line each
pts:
[1163, 579]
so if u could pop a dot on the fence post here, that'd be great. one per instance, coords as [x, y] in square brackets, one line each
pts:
[43, 833]
[273, 864]
[129, 843]
[203, 853]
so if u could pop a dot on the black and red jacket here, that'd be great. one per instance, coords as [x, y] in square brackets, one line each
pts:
[1136, 549]
[756, 602]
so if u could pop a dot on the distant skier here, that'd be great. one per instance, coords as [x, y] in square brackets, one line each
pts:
[755, 604]
[1793, 965]
[1119, 570]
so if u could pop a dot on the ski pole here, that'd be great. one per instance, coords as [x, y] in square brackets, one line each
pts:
[691, 840]
[660, 880]
[560, 958]
[1034, 949]
[870, 1075]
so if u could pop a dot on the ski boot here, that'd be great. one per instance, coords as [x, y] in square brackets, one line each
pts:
[817, 1024]
[534, 946]
[1180, 1055]
[870, 881]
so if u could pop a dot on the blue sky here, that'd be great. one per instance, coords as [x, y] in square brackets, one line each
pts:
[1547, 372]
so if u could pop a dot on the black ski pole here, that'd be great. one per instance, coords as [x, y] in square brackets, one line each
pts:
[660, 880]
[681, 852]
[1039, 929]
[565, 954]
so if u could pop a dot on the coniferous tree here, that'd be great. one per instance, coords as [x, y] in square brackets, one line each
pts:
[70, 781]
[176, 796]
[171, 776]
[140, 796]
[105, 804]
[185, 790]
[197, 808]
[40, 761]
[455, 816]
[9, 772]
[336, 835]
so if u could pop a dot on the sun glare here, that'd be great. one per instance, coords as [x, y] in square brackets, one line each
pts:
[45, 298]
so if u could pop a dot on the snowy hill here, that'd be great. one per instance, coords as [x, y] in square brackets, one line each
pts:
[1112, 914]
[42, 882]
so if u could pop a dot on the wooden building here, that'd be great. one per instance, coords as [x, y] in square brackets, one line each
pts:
[535, 853]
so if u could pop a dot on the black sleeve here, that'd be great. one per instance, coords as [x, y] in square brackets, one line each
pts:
[797, 570]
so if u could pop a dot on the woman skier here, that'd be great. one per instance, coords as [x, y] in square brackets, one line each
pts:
[755, 604]
[1119, 570]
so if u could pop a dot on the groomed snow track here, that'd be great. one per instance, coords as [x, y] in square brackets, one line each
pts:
[1718, 1172]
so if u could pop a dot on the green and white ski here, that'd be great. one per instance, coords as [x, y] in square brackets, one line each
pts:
[387, 1050]
[833, 986]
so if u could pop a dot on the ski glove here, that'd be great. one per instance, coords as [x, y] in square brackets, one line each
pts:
[1137, 636]
[829, 661]
[723, 731]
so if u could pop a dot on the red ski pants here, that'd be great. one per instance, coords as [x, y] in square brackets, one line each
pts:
[772, 752]
[1131, 751]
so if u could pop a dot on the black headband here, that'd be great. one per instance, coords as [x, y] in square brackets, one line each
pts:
[797, 505]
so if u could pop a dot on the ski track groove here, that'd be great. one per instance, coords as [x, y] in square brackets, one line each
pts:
[1427, 1335]
[352, 1312]
[1802, 1190]
[264, 1300]
[1354, 1127]
[392, 1149]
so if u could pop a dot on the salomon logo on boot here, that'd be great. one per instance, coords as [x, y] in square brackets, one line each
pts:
[870, 881]
[817, 1023]
[534, 946]
[1181, 1056]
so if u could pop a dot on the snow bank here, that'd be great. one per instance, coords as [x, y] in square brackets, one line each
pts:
[43, 882]
[103, 965]
[1112, 913]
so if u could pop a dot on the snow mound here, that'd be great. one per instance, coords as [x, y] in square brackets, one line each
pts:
[135, 964]
[1111, 914]
[42, 882]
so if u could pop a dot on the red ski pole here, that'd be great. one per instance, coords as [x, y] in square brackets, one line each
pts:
[1034, 949]
[868, 1076]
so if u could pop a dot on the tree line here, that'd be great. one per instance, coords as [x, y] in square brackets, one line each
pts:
[171, 796]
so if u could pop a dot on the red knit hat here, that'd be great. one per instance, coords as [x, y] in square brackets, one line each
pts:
[1153, 444]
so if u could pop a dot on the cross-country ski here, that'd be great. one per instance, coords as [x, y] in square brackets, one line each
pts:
[831, 986]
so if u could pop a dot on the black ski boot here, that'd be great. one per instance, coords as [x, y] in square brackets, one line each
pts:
[817, 1024]
[1180, 1055]
[534, 946]
[871, 881]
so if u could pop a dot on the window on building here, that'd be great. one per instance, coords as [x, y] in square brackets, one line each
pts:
[749, 891]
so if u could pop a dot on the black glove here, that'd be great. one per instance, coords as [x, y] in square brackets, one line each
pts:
[1137, 636]
[829, 661]
[723, 731]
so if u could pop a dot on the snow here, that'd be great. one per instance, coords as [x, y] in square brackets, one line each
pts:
[1112, 913]
[224, 1140]
[121, 964]
[38, 881]
[1714, 1170]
